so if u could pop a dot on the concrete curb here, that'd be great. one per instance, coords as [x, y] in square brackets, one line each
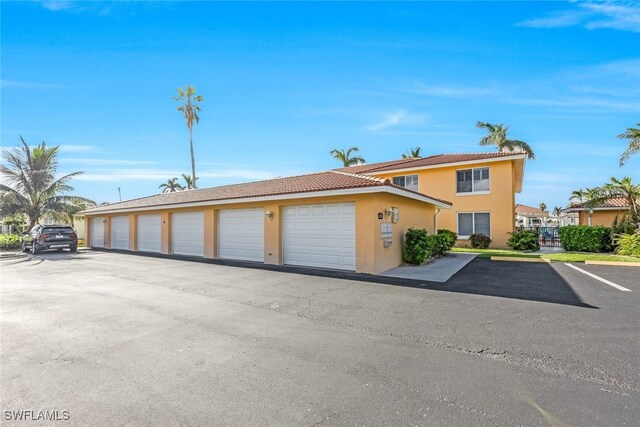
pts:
[614, 263]
[519, 259]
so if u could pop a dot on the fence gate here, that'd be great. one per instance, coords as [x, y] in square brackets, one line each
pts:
[548, 237]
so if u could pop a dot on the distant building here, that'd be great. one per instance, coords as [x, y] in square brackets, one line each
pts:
[601, 214]
[528, 216]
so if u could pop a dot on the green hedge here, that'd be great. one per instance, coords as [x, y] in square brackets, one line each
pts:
[479, 241]
[585, 238]
[420, 246]
[449, 236]
[628, 244]
[10, 241]
[526, 240]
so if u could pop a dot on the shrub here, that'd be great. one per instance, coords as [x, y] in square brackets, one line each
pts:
[449, 236]
[10, 241]
[585, 238]
[480, 241]
[624, 225]
[416, 246]
[526, 240]
[628, 244]
[438, 245]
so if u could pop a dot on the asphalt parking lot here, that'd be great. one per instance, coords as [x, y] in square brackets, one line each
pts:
[123, 339]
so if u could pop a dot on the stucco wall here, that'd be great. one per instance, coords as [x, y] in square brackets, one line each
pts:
[371, 255]
[601, 217]
[500, 202]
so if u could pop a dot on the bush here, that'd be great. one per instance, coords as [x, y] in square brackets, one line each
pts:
[480, 241]
[585, 238]
[420, 246]
[449, 236]
[526, 240]
[416, 246]
[624, 225]
[628, 244]
[438, 245]
[10, 241]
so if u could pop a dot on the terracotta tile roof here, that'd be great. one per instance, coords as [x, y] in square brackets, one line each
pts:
[611, 203]
[321, 181]
[529, 210]
[438, 159]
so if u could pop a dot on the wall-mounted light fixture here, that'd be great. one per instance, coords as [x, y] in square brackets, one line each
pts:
[269, 215]
[104, 220]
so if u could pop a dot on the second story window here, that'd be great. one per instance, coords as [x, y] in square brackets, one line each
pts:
[410, 182]
[472, 180]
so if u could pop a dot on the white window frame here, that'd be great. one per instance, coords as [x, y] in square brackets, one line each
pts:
[473, 191]
[473, 222]
[405, 181]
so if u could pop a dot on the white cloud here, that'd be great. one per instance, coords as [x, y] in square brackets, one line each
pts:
[396, 118]
[107, 162]
[161, 175]
[623, 16]
[56, 6]
[449, 91]
[71, 148]
[28, 85]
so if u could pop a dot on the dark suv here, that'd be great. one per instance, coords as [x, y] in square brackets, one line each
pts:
[43, 237]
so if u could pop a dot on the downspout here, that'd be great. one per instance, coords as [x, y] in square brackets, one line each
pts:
[589, 217]
[435, 221]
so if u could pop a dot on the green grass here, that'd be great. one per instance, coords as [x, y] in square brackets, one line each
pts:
[557, 257]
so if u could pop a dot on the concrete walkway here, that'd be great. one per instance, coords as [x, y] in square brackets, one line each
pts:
[440, 270]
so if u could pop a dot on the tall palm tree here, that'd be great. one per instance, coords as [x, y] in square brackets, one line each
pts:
[171, 186]
[543, 207]
[633, 135]
[190, 184]
[67, 212]
[345, 156]
[414, 153]
[497, 137]
[31, 185]
[557, 211]
[189, 108]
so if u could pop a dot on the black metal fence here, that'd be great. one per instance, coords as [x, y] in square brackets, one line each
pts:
[548, 237]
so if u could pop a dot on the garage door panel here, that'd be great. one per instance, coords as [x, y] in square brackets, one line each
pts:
[320, 235]
[149, 233]
[241, 234]
[187, 233]
[97, 233]
[120, 232]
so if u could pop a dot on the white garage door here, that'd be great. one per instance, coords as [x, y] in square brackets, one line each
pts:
[120, 232]
[97, 233]
[320, 235]
[187, 233]
[148, 234]
[241, 234]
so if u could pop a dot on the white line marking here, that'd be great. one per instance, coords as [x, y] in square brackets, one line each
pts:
[605, 281]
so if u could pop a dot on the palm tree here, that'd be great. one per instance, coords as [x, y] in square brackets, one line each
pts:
[577, 196]
[189, 110]
[190, 184]
[557, 211]
[498, 137]
[345, 156]
[633, 135]
[414, 153]
[543, 207]
[628, 190]
[172, 185]
[68, 211]
[32, 187]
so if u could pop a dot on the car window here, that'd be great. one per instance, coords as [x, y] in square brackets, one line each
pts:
[63, 230]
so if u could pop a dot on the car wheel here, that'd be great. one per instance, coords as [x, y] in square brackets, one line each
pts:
[73, 249]
[24, 247]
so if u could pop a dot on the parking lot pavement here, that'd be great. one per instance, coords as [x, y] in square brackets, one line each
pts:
[628, 277]
[122, 339]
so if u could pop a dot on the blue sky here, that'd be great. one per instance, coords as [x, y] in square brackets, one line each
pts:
[284, 83]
